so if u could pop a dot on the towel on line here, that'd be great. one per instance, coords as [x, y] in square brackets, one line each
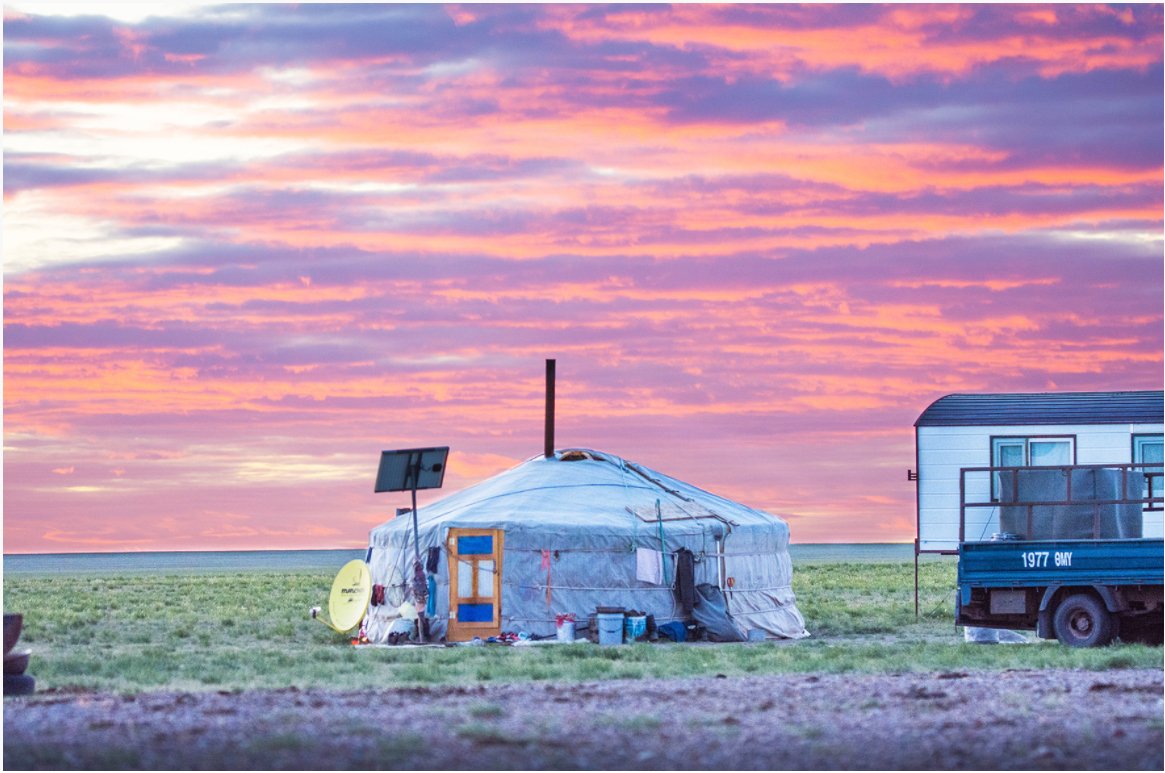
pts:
[649, 566]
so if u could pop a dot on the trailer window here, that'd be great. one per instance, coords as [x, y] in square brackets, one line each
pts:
[1029, 452]
[1049, 453]
[1148, 449]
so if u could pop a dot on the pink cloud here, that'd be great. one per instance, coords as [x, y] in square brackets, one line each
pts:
[245, 253]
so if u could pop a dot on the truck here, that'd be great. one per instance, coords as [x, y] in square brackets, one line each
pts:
[1068, 559]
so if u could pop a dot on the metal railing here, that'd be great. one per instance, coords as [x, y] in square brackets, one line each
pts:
[1140, 484]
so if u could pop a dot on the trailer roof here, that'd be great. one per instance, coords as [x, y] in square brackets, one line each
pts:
[963, 410]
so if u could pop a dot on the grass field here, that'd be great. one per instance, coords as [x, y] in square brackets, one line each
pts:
[231, 631]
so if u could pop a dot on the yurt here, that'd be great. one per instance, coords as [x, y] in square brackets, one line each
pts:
[575, 531]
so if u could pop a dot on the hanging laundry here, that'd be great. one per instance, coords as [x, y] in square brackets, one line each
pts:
[649, 566]
[419, 586]
[685, 588]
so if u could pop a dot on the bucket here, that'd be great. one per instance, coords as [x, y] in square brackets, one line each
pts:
[566, 630]
[610, 628]
[635, 627]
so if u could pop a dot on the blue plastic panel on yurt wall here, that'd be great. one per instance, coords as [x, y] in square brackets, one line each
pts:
[478, 545]
[475, 613]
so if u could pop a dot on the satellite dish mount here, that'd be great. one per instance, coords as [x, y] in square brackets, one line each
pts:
[411, 469]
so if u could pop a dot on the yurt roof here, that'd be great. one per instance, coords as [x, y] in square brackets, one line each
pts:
[582, 487]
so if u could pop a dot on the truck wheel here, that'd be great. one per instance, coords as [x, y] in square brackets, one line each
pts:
[1082, 621]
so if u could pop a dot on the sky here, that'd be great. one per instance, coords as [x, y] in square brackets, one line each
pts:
[248, 247]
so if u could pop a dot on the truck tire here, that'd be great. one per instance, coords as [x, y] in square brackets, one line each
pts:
[1082, 621]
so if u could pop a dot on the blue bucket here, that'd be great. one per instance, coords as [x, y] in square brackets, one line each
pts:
[635, 627]
[610, 628]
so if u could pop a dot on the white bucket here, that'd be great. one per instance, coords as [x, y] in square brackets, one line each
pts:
[566, 630]
[610, 628]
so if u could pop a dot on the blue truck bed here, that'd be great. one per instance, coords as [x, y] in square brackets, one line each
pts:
[1088, 562]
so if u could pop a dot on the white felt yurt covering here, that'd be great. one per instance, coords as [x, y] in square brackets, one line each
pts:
[580, 530]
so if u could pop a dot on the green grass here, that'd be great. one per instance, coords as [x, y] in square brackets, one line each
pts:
[844, 599]
[234, 631]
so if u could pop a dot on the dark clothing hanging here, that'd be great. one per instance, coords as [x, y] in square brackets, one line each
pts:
[685, 588]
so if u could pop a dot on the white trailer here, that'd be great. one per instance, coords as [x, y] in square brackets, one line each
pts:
[962, 431]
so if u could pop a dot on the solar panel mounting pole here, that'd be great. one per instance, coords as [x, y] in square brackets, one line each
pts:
[413, 474]
[420, 587]
[410, 469]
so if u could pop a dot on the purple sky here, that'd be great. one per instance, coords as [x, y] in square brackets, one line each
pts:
[248, 247]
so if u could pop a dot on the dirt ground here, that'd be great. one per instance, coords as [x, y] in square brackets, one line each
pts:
[956, 720]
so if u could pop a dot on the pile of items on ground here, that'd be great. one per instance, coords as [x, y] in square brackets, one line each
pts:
[607, 626]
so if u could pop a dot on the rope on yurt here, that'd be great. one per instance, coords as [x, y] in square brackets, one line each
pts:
[662, 544]
[627, 500]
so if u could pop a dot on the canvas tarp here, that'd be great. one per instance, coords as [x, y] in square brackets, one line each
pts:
[573, 532]
[1076, 503]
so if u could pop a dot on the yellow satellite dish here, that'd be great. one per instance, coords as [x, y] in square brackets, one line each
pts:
[348, 601]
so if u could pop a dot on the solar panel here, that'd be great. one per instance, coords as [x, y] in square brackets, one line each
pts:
[411, 469]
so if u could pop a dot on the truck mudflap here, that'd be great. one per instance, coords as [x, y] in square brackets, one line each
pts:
[1044, 626]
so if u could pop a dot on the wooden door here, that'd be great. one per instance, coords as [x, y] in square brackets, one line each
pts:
[475, 583]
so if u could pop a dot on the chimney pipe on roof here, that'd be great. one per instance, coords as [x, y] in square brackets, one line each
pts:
[548, 445]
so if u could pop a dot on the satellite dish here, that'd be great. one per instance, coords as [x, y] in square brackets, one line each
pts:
[348, 600]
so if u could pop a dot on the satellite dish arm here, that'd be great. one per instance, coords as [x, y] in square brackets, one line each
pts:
[315, 615]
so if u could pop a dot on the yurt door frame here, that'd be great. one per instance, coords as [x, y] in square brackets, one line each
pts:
[475, 583]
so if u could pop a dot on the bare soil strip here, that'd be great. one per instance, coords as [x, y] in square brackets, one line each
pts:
[1045, 719]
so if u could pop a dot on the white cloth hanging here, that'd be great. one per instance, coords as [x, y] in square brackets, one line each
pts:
[649, 566]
